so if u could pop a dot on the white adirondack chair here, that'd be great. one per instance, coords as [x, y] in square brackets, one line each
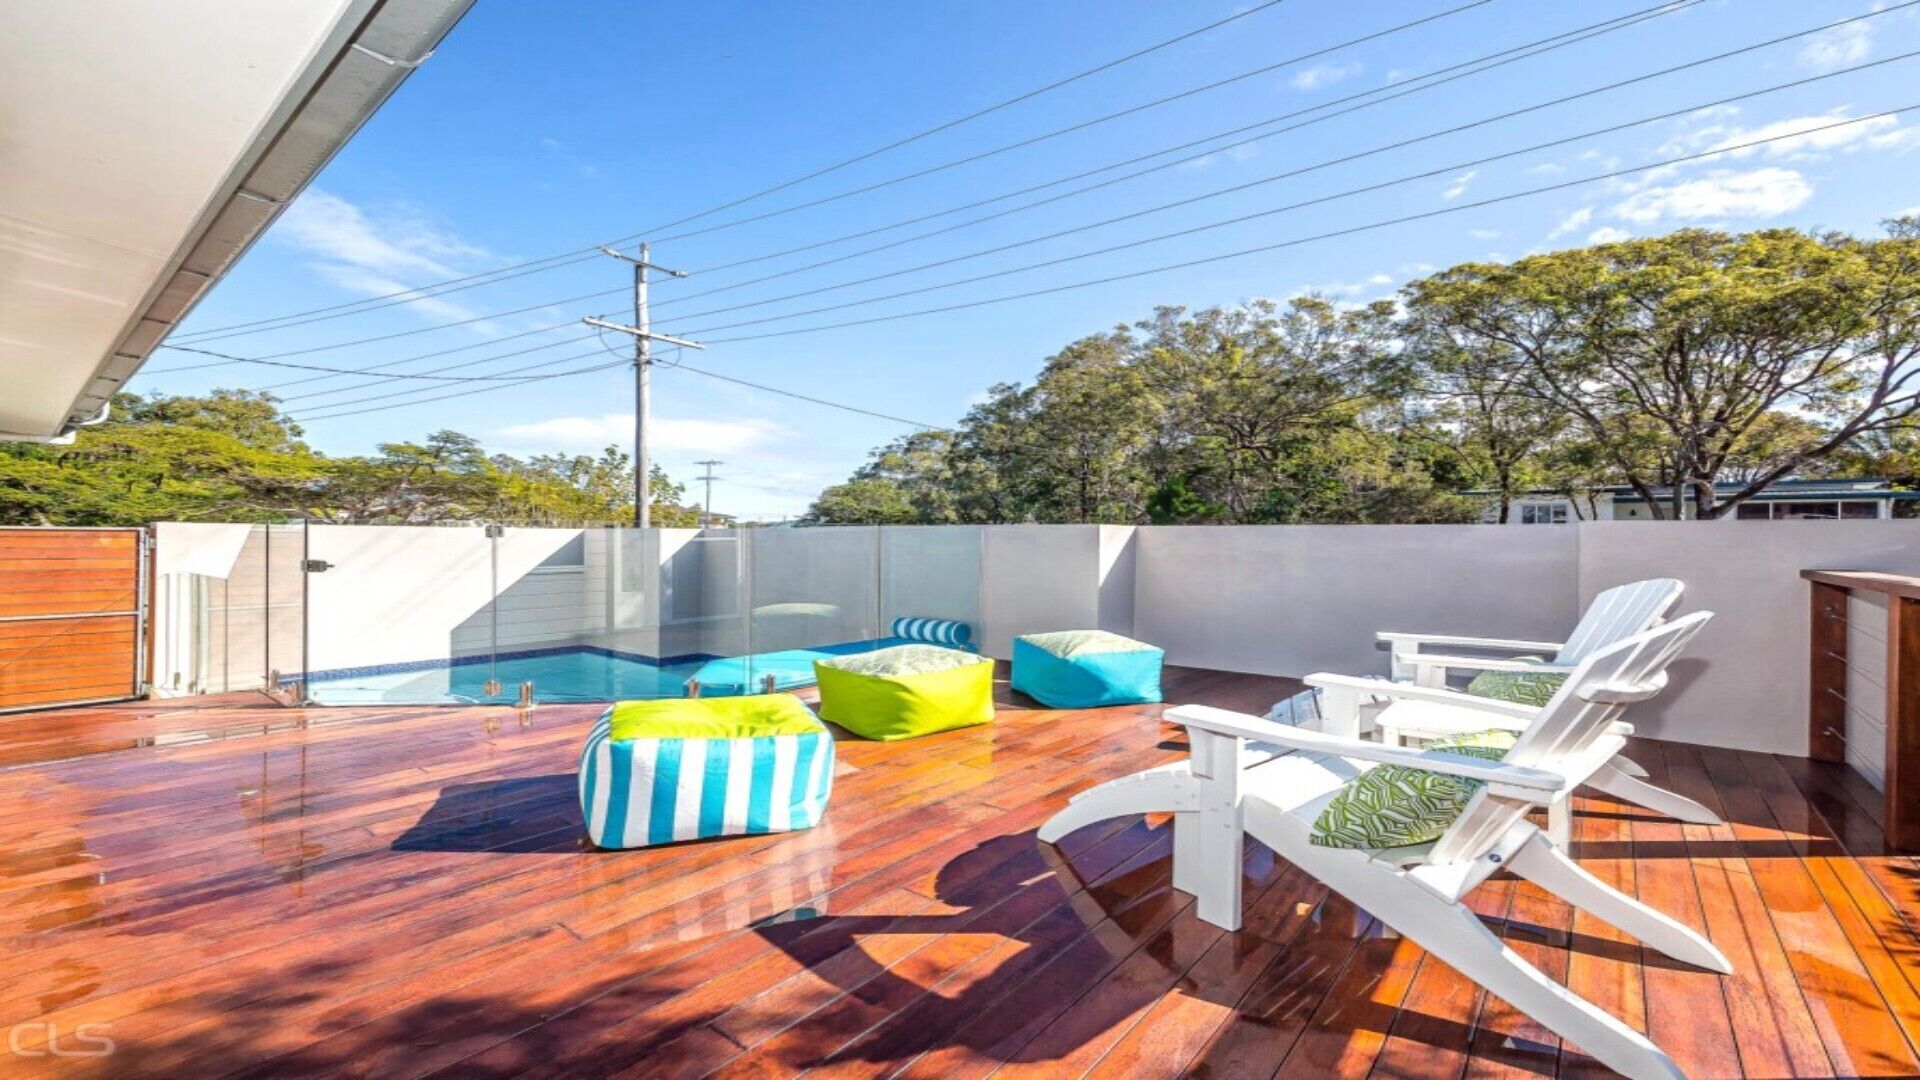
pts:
[1615, 614]
[1418, 890]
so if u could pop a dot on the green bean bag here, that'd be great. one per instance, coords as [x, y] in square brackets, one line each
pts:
[905, 691]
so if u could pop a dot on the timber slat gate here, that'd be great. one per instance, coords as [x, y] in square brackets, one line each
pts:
[73, 616]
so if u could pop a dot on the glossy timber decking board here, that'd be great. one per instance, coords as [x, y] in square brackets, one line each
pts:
[400, 891]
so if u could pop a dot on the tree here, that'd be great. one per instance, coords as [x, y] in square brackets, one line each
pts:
[1672, 355]
[1480, 393]
[905, 482]
[232, 456]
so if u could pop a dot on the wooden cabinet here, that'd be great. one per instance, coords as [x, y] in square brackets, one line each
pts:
[1864, 703]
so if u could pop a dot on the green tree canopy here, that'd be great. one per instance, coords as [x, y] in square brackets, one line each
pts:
[231, 456]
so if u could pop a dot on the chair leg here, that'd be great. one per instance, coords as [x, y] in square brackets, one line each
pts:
[1616, 782]
[1451, 931]
[1155, 791]
[1188, 869]
[1548, 866]
[1560, 823]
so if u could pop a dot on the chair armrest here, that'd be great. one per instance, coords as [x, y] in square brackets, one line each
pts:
[1398, 691]
[1485, 663]
[1397, 638]
[1241, 726]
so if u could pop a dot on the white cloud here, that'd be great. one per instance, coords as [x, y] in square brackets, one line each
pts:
[1394, 75]
[1764, 192]
[1320, 75]
[1484, 234]
[1576, 220]
[1459, 186]
[587, 434]
[1243, 152]
[1546, 168]
[329, 226]
[1380, 279]
[1814, 138]
[378, 253]
[1607, 234]
[1838, 47]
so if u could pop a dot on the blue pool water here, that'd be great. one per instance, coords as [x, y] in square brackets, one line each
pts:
[564, 676]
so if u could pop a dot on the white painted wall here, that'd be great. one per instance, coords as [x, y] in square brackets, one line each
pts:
[1294, 599]
[1038, 578]
[1744, 682]
[1285, 600]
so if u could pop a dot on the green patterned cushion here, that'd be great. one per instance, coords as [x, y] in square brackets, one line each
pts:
[1397, 805]
[1534, 688]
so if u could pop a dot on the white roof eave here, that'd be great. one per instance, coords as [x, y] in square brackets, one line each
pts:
[361, 55]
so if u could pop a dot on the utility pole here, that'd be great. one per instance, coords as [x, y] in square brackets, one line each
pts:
[706, 505]
[643, 339]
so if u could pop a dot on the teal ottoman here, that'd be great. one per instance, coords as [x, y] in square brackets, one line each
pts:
[1083, 669]
[653, 772]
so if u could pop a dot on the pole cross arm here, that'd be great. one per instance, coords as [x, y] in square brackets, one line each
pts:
[647, 334]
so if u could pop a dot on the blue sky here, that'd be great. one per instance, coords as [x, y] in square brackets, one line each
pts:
[540, 128]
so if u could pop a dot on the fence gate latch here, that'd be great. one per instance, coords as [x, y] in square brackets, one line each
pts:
[316, 566]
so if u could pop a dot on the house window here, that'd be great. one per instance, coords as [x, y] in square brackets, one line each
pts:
[1807, 511]
[1751, 511]
[1543, 514]
[1859, 510]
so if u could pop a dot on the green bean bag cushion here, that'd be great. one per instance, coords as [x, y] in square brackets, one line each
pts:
[905, 691]
[1397, 805]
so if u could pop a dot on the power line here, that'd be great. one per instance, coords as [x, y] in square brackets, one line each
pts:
[1427, 174]
[421, 390]
[1540, 45]
[1800, 133]
[588, 252]
[1085, 124]
[458, 365]
[1404, 88]
[346, 371]
[1292, 173]
[463, 393]
[803, 397]
[1376, 150]
[1297, 241]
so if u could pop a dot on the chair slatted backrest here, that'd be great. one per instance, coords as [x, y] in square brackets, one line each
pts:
[1617, 613]
[1577, 716]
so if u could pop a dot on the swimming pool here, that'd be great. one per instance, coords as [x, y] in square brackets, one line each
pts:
[571, 675]
[576, 673]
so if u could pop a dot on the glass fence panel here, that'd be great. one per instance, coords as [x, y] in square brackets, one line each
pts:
[401, 614]
[476, 614]
[811, 593]
[284, 620]
[210, 598]
[930, 584]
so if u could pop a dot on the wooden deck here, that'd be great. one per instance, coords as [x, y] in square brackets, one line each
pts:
[404, 892]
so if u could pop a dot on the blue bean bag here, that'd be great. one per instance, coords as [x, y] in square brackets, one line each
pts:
[1084, 669]
[653, 772]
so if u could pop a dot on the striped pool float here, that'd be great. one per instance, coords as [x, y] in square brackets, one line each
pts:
[948, 632]
[640, 792]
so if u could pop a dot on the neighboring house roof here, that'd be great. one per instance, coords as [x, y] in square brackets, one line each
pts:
[146, 146]
[1857, 488]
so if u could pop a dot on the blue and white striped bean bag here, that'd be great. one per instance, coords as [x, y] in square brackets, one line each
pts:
[948, 632]
[644, 791]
